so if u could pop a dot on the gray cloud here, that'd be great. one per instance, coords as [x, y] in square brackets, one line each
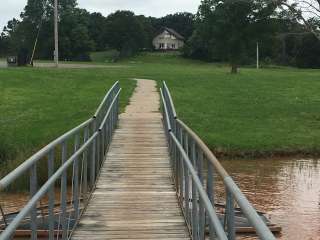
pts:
[156, 8]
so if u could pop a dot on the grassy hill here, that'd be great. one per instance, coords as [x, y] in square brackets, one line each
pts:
[257, 112]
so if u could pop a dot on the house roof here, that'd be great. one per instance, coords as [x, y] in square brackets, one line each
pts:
[174, 33]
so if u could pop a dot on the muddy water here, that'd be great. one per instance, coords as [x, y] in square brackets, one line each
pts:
[288, 190]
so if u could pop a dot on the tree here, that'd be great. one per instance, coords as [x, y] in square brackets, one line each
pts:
[96, 27]
[306, 11]
[3, 45]
[75, 42]
[230, 28]
[182, 22]
[149, 29]
[37, 23]
[125, 33]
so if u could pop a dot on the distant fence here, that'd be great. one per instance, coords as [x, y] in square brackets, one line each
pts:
[194, 167]
[75, 157]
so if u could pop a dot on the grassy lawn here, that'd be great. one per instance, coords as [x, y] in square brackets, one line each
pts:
[255, 112]
[38, 105]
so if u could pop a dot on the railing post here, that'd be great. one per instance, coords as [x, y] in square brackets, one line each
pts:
[103, 134]
[186, 193]
[186, 180]
[117, 109]
[110, 128]
[64, 194]
[176, 167]
[210, 193]
[33, 191]
[98, 143]
[230, 216]
[93, 164]
[93, 158]
[195, 203]
[85, 164]
[202, 216]
[180, 169]
[108, 131]
[76, 180]
[51, 197]
[3, 215]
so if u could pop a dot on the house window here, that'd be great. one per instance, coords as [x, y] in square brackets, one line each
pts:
[161, 45]
[173, 46]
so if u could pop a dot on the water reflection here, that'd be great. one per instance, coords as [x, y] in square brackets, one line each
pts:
[288, 190]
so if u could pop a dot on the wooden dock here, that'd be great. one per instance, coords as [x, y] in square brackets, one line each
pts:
[135, 196]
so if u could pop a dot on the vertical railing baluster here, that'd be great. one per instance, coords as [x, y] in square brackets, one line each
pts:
[33, 191]
[103, 133]
[194, 213]
[195, 203]
[76, 179]
[110, 129]
[93, 164]
[64, 193]
[180, 167]
[187, 180]
[99, 151]
[51, 198]
[106, 132]
[230, 216]
[114, 116]
[186, 193]
[210, 192]
[202, 216]
[85, 164]
[177, 162]
[210, 183]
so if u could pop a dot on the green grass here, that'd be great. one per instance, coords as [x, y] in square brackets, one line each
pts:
[255, 112]
[38, 105]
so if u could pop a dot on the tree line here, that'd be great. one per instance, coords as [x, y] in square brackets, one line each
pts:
[287, 31]
[229, 30]
[81, 32]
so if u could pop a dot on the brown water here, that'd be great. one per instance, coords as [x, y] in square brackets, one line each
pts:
[288, 190]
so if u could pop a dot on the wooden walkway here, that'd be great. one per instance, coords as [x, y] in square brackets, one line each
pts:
[135, 196]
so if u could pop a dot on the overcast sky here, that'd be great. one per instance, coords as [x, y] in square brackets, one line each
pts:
[157, 8]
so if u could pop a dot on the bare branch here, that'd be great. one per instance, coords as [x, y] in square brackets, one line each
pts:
[297, 9]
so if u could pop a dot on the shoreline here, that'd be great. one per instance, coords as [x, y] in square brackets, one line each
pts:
[270, 154]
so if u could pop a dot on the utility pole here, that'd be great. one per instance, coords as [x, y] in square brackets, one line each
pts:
[56, 34]
[258, 64]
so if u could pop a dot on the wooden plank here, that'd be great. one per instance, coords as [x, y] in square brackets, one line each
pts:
[135, 196]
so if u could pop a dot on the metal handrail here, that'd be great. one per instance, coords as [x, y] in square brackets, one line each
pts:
[195, 149]
[86, 160]
[26, 165]
[202, 193]
[173, 110]
[113, 91]
[7, 233]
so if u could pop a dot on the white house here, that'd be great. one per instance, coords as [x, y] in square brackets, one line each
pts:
[168, 39]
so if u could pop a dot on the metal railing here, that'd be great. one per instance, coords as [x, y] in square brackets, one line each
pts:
[194, 170]
[73, 162]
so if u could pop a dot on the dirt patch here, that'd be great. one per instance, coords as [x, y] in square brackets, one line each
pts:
[77, 65]
[3, 64]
